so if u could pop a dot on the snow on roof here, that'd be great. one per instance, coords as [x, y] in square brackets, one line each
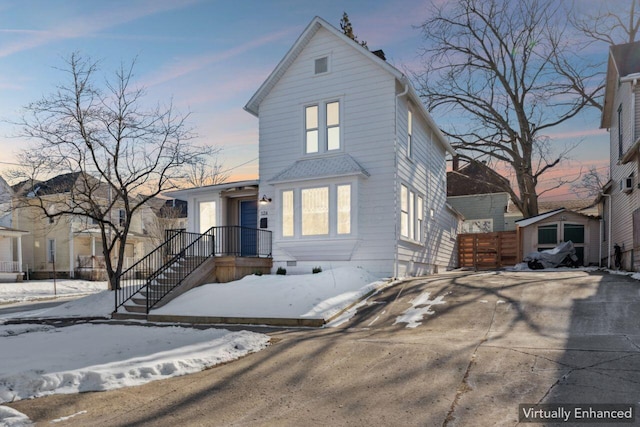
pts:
[532, 220]
[323, 167]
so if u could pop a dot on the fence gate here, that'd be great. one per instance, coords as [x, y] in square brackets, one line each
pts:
[487, 251]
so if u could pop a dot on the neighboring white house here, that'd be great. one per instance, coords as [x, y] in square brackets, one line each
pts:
[620, 204]
[11, 267]
[352, 167]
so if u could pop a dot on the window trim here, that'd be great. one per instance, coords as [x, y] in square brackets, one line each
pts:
[313, 67]
[620, 133]
[409, 133]
[51, 250]
[322, 129]
[410, 209]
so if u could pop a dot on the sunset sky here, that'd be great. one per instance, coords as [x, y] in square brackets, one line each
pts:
[210, 56]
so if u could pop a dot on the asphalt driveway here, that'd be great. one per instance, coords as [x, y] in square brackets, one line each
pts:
[479, 345]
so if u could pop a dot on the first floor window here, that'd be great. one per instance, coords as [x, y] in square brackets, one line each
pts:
[411, 213]
[404, 211]
[548, 234]
[420, 218]
[207, 213]
[315, 211]
[287, 213]
[344, 209]
[51, 250]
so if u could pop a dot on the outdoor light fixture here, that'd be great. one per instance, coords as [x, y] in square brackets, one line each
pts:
[265, 200]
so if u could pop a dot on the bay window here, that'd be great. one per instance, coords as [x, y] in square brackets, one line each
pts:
[317, 211]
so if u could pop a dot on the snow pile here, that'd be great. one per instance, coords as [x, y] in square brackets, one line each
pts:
[9, 417]
[97, 305]
[42, 360]
[309, 296]
[420, 307]
[44, 289]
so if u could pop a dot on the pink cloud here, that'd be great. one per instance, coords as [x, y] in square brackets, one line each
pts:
[184, 66]
[88, 25]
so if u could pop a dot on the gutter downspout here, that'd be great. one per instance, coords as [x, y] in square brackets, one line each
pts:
[609, 232]
[396, 266]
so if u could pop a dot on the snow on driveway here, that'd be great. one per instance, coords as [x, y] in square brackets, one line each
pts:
[38, 360]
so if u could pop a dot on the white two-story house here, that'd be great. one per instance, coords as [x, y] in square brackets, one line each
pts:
[620, 202]
[351, 161]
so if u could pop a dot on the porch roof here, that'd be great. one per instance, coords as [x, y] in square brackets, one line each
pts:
[11, 232]
[211, 188]
[321, 167]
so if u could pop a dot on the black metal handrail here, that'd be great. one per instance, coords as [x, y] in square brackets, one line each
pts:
[182, 264]
[136, 277]
[169, 264]
[242, 241]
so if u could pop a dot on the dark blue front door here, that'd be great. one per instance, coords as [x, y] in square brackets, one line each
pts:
[249, 231]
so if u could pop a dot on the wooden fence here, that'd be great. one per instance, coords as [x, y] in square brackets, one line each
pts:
[487, 251]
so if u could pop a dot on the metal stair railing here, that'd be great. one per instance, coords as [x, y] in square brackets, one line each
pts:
[178, 244]
[180, 266]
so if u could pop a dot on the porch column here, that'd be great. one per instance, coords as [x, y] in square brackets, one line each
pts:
[20, 254]
[93, 251]
[72, 266]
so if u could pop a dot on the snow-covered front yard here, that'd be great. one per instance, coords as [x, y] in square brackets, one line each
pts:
[38, 359]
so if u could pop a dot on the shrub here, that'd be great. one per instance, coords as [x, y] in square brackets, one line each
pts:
[281, 271]
[316, 270]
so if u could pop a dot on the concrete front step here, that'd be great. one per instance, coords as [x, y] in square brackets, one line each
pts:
[129, 316]
[134, 308]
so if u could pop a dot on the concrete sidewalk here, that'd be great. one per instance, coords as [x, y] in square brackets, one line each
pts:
[497, 341]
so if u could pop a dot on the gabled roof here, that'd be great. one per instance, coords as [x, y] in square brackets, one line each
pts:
[537, 218]
[321, 167]
[624, 61]
[253, 106]
[475, 178]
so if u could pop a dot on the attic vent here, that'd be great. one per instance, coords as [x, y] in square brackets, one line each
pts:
[321, 65]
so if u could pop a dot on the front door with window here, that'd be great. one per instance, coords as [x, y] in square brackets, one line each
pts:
[249, 228]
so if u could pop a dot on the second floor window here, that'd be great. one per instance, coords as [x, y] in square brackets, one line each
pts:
[322, 127]
[409, 132]
[122, 217]
[620, 135]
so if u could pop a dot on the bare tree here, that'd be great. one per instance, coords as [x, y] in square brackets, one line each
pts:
[591, 183]
[208, 171]
[615, 22]
[507, 71]
[122, 153]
